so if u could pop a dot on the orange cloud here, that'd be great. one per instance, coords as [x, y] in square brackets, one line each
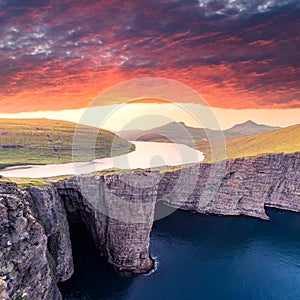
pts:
[62, 55]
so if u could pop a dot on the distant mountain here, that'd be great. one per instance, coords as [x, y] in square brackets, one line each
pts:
[174, 131]
[248, 127]
[51, 141]
[179, 132]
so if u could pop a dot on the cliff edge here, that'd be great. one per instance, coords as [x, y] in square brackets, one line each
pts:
[118, 212]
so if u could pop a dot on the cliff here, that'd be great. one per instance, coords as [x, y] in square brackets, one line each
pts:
[118, 211]
[35, 248]
[234, 187]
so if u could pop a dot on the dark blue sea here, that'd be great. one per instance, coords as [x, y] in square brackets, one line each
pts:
[199, 257]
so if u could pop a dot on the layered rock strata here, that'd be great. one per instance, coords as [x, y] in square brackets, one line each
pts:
[118, 211]
[28, 269]
[234, 187]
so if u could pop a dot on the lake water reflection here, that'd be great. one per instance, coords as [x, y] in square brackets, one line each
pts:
[146, 155]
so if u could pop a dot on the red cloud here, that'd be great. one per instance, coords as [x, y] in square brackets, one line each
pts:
[58, 56]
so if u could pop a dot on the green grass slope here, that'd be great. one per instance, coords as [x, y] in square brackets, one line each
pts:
[51, 141]
[286, 140]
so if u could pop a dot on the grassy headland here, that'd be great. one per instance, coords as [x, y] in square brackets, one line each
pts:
[43, 141]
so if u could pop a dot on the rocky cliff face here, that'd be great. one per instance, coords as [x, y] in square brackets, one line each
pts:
[49, 210]
[240, 186]
[29, 269]
[118, 211]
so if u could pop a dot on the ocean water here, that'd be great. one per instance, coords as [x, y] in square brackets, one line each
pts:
[199, 257]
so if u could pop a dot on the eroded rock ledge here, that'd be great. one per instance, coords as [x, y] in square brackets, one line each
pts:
[234, 187]
[35, 247]
[118, 211]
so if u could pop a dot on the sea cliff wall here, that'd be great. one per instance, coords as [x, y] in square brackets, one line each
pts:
[35, 248]
[118, 211]
[234, 187]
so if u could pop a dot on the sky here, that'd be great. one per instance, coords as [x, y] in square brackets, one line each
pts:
[240, 55]
[120, 117]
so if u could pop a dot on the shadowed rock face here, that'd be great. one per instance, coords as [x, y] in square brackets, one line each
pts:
[27, 268]
[118, 211]
[234, 187]
[49, 210]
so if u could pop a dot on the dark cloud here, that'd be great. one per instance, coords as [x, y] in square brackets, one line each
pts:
[245, 49]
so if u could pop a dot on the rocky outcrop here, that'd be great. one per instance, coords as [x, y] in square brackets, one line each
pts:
[118, 211]
[234, 187]
[49, 210]
[25, 268]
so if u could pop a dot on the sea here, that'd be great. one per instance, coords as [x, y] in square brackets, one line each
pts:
[199, 257]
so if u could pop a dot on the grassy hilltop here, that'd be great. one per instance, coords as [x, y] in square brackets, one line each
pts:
[285, 140]
[51, 141]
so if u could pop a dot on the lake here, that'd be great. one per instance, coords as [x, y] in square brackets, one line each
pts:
[146, 155]
[199, 257]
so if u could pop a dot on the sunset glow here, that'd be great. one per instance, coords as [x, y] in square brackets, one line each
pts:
[239, 54]
[132, 116]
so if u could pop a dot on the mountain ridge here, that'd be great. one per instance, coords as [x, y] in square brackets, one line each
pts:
[175, 131]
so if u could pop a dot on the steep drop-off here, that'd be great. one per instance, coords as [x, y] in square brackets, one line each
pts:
[35, 247]
[234, 187]
[118, 212]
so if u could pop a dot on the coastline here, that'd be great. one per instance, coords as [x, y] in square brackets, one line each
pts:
[240, 186]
